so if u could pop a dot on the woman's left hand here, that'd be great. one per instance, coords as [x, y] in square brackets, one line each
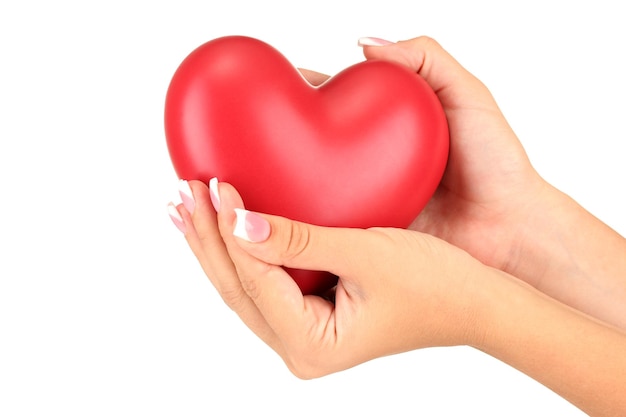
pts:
[398, 290]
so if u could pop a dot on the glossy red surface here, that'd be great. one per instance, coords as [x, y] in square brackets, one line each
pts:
[366, 148]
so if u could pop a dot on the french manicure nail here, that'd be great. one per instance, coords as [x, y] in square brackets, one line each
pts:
[176, 218]
[186, 195]
[214, 194]
[251, 226]
[371, 41]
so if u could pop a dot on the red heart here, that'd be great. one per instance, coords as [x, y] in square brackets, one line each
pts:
[366, 148]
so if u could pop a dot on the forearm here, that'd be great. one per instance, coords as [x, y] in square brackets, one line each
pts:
[572, 256]
[580, 358]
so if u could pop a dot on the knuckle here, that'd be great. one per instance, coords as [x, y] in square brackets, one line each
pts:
[383, 239]
[297, 240]
[430, 41]
[393, 245]
[427, 42]
[250, 283]
[250, 287]
[233, 296]
[419, 49]
[206, 241]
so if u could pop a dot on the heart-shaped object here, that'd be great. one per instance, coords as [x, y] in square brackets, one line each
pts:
[366, 148]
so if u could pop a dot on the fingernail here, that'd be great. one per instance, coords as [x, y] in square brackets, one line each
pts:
[370, 41]
[176, 218]
[214, 194]
[186, 195]
[251, 226]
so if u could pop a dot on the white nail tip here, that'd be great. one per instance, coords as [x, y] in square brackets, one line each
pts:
[213, 187]
[173, 212]
[183, 187]
[369, 41]
[240, 225]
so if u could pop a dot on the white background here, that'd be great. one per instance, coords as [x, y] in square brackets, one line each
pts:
[103, 309]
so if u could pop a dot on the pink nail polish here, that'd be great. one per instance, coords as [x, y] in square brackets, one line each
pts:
[176, 218]
[251, 226]
[370, 41]
[214, 194]
[186, 195]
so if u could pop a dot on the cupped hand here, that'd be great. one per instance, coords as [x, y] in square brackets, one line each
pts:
[489, 191]
[492, 203]
[398, 290]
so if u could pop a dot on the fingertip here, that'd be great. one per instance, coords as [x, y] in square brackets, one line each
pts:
[200, 221]
[226, 195]
[195, 195]
[251, 226]
[176, 217]
[229, 202]
[215, 193]
[186, 195]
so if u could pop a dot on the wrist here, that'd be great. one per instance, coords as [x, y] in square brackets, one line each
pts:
[538, 242]
[569, 352]
[493, 288]
[485, 288]
[570, 255]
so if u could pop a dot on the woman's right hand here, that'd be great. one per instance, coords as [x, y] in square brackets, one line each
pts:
[493, 203]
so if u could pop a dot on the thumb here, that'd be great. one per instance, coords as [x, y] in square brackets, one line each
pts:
[280, 241]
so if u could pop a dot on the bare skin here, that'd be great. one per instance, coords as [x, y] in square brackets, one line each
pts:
[492, 262]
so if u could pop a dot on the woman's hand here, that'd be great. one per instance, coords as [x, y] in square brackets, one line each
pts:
[489, 185]
[492, 203]
[401, 289]
[398, 290]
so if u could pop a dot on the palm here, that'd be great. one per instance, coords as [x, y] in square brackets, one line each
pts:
[478, 205]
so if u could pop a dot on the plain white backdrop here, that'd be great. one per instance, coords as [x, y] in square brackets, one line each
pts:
[103, 309]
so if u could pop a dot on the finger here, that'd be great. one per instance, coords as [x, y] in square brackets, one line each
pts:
[280, 241]
[318, 336]
[246, 265]
[290, 314]
[292, 244]
[313, 77]
[455, 86]
[297, 321]
[202, 233]
[309, 326]
[204, 239]
[474, 118]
